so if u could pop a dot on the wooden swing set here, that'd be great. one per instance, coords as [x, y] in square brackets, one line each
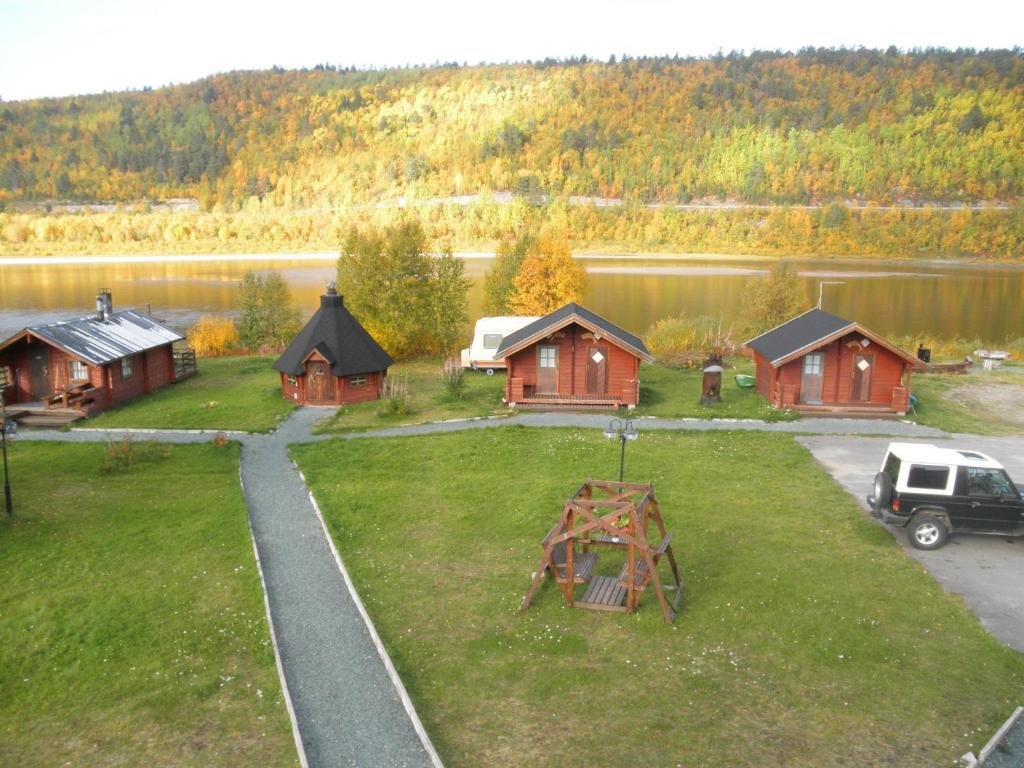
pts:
[614, 515]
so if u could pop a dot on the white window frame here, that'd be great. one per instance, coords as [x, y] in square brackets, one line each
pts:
[355, 382]
[293, 381]
[127, 368]
[80, 367]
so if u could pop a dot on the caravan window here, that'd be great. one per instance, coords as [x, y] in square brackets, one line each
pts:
[492, 340]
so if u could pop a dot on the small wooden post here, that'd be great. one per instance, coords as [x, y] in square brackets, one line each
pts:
[712, 389]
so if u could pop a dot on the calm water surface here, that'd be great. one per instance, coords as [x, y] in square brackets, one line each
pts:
[907, 298]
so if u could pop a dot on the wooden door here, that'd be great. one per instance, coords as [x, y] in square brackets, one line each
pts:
[39, 374]
[547, 370]
[860, 390]
[597, 370]
[318, 382]
[811, 378]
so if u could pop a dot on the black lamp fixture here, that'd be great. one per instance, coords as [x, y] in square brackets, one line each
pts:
[624, 430]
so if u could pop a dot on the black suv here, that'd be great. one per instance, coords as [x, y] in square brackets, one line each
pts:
[933, 492]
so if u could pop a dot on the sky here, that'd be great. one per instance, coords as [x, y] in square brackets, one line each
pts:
[68, 47]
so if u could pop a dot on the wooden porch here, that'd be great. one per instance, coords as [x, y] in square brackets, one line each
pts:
[184, 363]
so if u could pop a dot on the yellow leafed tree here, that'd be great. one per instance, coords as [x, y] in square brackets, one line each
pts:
[212, 336]
[547, 278]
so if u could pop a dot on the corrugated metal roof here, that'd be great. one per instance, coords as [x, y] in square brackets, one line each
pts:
[98, 342]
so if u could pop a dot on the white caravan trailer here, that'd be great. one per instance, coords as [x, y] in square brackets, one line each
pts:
[487, 338]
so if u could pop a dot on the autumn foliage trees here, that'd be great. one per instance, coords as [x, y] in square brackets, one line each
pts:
[295, 159]
[533, 275]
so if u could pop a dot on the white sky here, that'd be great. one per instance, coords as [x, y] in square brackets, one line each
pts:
[63, 47]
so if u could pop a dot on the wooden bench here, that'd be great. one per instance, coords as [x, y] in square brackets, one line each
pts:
[641, 576]
[582, 562]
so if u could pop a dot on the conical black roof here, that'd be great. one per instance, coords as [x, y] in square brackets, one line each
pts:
[339, 337]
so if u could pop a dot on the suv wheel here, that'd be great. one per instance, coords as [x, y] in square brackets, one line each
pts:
[927, 532]
[883, 493]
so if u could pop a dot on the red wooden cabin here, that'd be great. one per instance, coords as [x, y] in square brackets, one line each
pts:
[333, 360]
[820, 362]
[91, 363]
[572, 357]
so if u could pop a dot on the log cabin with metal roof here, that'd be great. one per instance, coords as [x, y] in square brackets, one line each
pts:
[333, 360]
[572, 358]
[63, 371]
[820, 362]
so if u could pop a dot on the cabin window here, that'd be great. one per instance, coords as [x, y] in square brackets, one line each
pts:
[126, 368]
[928, 478]
[357, 381]
[492, 340]
[547, 357]
[293, 381]
[77, 370]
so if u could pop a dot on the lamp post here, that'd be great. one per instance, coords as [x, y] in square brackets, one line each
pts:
[624, 430]
[6, 427]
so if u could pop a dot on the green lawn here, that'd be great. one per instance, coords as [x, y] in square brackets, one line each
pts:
[806, 636]
[132, 625]
[428, 400]
[675, 393]
[242, 393]
[944, 406]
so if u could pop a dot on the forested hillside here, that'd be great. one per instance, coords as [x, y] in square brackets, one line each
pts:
[822, 126]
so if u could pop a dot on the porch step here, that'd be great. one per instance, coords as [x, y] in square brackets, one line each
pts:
[574, 406]
[46, 420]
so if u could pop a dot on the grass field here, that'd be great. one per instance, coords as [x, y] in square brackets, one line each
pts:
[806, 636]
[943, 403]
[237, 393]
[132, 626]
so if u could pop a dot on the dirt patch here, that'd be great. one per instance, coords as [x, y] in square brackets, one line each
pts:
[1004, 402]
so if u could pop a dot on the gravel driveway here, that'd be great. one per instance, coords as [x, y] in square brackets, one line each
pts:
[985, 570]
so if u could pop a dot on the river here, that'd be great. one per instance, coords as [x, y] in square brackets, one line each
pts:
[892, 298]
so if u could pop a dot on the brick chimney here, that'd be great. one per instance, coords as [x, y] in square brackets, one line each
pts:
[104, 305]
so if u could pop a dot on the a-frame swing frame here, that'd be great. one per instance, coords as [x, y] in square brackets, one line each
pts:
[604, 513]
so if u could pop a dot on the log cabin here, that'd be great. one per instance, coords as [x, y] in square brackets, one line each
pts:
[572, 358]
[333, 360]
[86, 365]
[820, 362]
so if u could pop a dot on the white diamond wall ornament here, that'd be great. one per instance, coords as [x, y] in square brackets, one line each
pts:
[863, 365]
[597, 357]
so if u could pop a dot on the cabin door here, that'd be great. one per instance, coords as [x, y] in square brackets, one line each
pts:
[318, 381]
[39, 373]
[597, 370]
[547, 370]
[811, 379]
[860, 390]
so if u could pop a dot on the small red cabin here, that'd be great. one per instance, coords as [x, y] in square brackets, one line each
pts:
[333, 360]
[820, 362]
[91, 363]
[572, 357]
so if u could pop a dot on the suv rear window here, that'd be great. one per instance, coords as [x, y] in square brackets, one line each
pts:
[928, 478]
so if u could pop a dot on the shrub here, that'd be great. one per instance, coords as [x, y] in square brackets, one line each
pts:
[212, 336]
[394, 397]
[124, 455]
[684, 343]
[454, 379]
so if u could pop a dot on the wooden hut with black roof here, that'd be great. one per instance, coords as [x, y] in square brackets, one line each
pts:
[572, 358]
[820, 362]
[333, 360]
